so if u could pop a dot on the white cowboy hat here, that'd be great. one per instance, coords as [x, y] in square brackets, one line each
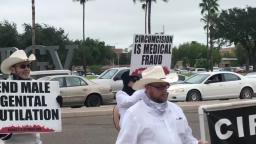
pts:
[16, 57]
[150, 75]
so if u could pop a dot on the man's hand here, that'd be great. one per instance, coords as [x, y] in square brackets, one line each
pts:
[59, 100]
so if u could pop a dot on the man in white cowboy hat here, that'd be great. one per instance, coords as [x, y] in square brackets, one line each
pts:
[17, 66]
[155, 120]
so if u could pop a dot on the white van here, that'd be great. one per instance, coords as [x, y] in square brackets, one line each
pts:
[43, 73]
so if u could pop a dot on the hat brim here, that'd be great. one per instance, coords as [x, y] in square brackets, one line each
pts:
[141, 83]
[9, 62]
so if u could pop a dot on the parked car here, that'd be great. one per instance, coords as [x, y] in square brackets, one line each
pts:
[213, 85]
[198, 70]
[112, 77]
[78, 91]
[174, 77]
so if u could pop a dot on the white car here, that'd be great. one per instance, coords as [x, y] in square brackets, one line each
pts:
[213, 85]
[112, 78]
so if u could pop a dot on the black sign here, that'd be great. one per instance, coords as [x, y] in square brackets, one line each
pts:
[233, 126]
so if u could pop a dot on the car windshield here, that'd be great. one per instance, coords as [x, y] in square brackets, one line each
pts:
[108, 74]
[196, 79]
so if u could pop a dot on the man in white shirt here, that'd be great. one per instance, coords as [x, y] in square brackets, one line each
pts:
[155, 120]
[127, 97]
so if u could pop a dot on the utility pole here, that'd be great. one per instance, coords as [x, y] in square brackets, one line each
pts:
[33, 27]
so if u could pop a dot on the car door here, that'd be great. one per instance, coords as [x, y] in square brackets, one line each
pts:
[74, 90]
[232, 85]
[213, 87]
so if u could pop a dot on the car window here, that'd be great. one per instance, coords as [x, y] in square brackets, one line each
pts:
[231, 77]
[75, 81]
[215, 78]
[60, 80]
[108, 74]
[196, 79]
[119, 74]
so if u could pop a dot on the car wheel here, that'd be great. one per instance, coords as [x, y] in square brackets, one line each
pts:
[246, 93]
[193, 95]
[93, 100]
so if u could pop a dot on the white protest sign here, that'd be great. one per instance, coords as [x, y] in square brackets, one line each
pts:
[150, 50]
[29, 106]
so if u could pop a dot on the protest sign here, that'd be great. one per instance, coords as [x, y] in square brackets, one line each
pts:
[150, 50]
[29, 106]
[230, 123]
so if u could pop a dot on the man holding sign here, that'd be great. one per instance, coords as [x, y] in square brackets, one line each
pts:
[20, 94]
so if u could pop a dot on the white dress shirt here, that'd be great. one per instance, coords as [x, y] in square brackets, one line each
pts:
[124, 101]
[143, 125]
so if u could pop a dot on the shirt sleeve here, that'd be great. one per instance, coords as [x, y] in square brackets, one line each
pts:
[123, 100]
[129, 131]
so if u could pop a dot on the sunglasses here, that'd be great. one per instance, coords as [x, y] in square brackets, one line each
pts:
[160, 87]
[23, 66]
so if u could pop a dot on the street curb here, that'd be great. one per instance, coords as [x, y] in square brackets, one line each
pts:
[188, 107]
[86, 112]
[101, 111]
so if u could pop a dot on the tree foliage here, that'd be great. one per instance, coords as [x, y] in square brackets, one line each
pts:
[193, 54]
[8, 34]
[90, 52]
[238, 26]
[209, 9]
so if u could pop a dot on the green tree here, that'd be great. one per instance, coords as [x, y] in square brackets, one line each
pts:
[209, 8]
[83, 3]
[8, 34]
[193, 54]
[47, 36]
[238, 26]
[148, 11]
[241, 54]
[189, 53]
[92, 52]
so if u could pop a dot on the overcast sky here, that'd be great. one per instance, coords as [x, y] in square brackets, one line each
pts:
[115, 21]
